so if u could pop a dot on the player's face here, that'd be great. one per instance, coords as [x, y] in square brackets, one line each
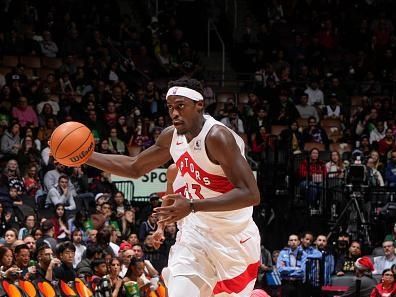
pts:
[184, 113]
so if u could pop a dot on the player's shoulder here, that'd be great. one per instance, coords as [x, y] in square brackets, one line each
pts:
[165, 138]
[219, 134]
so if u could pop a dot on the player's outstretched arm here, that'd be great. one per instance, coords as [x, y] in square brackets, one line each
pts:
[134, 167]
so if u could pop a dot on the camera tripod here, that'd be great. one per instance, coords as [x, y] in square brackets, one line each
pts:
[354, 203]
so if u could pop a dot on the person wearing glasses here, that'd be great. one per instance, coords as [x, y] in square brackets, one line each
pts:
[384, 262]
[387, 286]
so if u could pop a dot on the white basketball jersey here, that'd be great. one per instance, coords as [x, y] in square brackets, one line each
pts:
[204, 179]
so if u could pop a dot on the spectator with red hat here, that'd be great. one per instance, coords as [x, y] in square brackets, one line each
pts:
[364, 282]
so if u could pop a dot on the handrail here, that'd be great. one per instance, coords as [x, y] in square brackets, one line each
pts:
[212, 26]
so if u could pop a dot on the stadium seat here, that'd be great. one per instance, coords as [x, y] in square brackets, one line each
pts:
[356, 100]
[303, 123]
[330, 123]
[243, 98]
[31, 61]
[224, 97]
[340, 147]
[52, 63]
[10, 61]
[310, 145]
[43, 72]
[277, 129]
[5, 70]
[29, 73]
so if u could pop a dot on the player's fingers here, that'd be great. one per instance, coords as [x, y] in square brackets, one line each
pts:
[163, 210]
[171, 197]
[168, 220]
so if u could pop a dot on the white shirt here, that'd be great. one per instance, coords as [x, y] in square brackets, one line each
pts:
[315, 96]
[80, 249]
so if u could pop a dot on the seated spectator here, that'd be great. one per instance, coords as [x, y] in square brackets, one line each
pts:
[22, 258]
[126, 254]
[346, 263]
[84, 267]
[99, 269]
[388, 260]
[312, 173]
[10, 236]
[335, 168]
[315, 133]
[135, 272]
[291, 139]
[127, 224]
[387, 286]
[62, 193]
[114, 276]
[374, 177]
[6, 220]
[59, 220]
[46, 263]
[31, 181]
[48, 47]
[233, 122]
[315, 94]
[119, 204]
[77, 237]
[31, 243]
[116, 145]
[391, 236]
[149, 269]
[147, 227]
[377, 161]
[390, 174]
[28, 154]
[364, 267]
[25, 113]
[386, 144]
[47, 238]
[51, 177]
[378, 132]
[65, 271]
[333, 110]
[11, 141]
[29, 224]
[306, 111]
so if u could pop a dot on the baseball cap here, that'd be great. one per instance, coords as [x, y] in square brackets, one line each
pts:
[154, 196]
[125, 246]
[101, 195]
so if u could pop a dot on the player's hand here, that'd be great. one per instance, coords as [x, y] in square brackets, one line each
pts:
[158, 238]
[175, 212]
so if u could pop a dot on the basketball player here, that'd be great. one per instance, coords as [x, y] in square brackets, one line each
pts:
[218, 250]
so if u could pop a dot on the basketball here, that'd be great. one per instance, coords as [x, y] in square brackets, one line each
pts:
[71, 144]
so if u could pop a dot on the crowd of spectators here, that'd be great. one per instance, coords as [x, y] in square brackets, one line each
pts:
[323, 82]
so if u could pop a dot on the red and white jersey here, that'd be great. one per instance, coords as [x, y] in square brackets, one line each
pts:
[205, 180]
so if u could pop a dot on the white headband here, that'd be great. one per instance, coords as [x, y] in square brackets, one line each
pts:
[185, 92]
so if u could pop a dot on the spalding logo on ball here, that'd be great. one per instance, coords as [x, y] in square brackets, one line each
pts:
[72, 144]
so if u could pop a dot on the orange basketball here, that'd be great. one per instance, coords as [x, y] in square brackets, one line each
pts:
[72, 143]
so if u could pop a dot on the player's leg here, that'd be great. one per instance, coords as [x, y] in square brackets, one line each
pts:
[189, 271]
[236, 257]
[192, 286]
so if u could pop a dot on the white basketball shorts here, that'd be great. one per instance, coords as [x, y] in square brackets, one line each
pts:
[226, 260]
